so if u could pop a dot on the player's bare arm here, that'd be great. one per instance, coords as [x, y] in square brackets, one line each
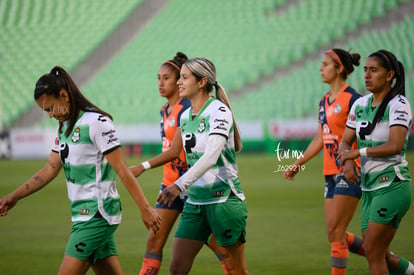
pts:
[312, 150]
[42, 177]
[39, 180]
[172, 153]
[394, 146]
[149, 216]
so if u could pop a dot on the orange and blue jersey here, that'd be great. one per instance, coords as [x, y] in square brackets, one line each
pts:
[332, 120]
[170, 122]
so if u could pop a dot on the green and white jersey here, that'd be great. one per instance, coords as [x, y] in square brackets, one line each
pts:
[215, 186]
[89, 177]
[378, 173]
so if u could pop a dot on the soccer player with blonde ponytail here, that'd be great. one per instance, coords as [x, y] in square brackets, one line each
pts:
[216, 203]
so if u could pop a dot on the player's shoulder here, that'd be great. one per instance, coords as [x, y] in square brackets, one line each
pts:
[182, 105]
[163, 108]
[363, 100]
[218, 110]
[185, 103]
[94, 116]
[323, 98]
[185, 113]
[351, 92]
[399, 100]
[400, 105]
[95, 120]
[217, 105]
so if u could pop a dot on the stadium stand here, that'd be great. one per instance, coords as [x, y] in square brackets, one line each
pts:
[38, 34]
[304, 88]
[251, 43]
[262, 50]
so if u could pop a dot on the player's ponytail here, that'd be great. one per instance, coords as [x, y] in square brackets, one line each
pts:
[176, 63]
[222, 96]
[345, 59]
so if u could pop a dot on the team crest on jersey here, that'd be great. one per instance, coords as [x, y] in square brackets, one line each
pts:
[172, 122]
[202, 125]
[76, 135]
[337, 109]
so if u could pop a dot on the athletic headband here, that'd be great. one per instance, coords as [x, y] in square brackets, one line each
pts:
[175, 65]
[333, 54]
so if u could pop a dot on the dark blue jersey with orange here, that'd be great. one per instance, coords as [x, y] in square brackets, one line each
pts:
[170, 122]
[332, 120]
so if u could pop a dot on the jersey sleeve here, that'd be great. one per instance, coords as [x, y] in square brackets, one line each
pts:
[351, 122]
[221, 121]
[103, 134]
[400, 113]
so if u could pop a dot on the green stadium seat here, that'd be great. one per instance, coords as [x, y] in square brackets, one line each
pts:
[247, 40]
[38, 34]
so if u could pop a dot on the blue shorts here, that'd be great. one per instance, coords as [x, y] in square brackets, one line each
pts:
[338, 185]
[178, 203]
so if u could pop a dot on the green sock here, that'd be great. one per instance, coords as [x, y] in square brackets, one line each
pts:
[410, 269]
[402, 267]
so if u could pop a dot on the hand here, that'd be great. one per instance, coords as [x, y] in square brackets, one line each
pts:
[151, 219]
[6, 203]
[137, 170]
[290, 172]
[351, 171]
[348, 155]
[168, 195]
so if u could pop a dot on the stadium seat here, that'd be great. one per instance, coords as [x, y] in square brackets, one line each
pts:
[37, 35]
[247, 40]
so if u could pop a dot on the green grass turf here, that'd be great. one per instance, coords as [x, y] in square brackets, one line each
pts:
[285, 230]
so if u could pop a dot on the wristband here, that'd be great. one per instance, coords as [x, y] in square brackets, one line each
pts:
[363, 152]
[180, 186]
[146, 165]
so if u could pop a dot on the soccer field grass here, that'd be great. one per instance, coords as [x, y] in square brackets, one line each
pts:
[285, 227]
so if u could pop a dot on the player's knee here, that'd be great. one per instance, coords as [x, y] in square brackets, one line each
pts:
[373, 253]
[180, 267]
[155, 244]
[335, 233]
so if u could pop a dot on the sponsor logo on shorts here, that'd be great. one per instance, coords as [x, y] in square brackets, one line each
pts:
[342, 184]
[79, 247]
[381, 212]
[227, 234]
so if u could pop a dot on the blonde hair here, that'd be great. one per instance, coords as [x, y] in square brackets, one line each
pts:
[204, 68]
